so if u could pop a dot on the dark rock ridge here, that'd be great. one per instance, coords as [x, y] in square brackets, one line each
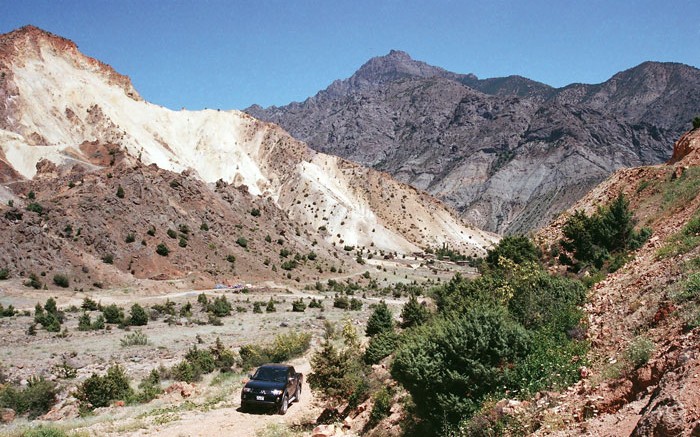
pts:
[508, 153]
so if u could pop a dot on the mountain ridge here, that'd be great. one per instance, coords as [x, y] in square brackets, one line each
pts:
[471, 141]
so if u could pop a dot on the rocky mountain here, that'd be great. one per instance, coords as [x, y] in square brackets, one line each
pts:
[508, 153]
[73, 132]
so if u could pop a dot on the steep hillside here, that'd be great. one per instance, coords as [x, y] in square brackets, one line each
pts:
[650, 306]
[508, 153]
[60, 108]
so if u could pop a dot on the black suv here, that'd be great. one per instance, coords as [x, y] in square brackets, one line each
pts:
[272, 385]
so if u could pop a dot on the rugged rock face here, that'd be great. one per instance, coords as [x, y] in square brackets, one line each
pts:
[508, 153]
[62, 112]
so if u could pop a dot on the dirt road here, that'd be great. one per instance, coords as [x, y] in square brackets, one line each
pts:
[231, 422]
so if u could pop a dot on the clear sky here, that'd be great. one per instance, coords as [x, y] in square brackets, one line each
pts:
[231, 54]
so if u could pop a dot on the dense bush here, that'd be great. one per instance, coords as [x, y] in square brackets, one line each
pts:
[138, 316]
[452, 364]
[220, 307]
[4, 274]
[61, 280]
[35, 399]
[339, 375]
[33, 282]
[516, 248]
[283, 348]
[98, 391]
[136, 338]
[48, 316]
[242, 241]
[513, 328]
[113, 314]
[341, 302]
[298, 306]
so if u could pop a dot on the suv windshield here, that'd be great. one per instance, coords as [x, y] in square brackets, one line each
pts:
[271, 374]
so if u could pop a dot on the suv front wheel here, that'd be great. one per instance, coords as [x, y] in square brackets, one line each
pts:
[284, 405]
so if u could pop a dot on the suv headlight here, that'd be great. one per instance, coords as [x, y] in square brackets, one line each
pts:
[247, 389]
[276, 392]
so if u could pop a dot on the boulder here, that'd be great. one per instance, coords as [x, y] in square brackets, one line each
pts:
[7, 415]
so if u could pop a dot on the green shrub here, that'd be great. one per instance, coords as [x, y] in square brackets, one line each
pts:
[84, 322]
[381, 320]
[113, 314]
[315, 303]
[130, 238]
[136, 338]
[35, 207]
[341, 302]
[108, 258]
[44, 431]
[241, 241]
[120, 192]
[639, 351]
[255, 212]
[98, 391]
[220, 307]
[171, 233]
[33, 282]
[696, 123]
[149, 388]
[298, 306]
[61, 280]
[270, 308]
[162, 249]
[151, 231]
[257, 308]
[204, 227]
[35, 399]
[381, 407]
[231, 258]
[138, 316]
[4, 274]
[99, 323]
[182, 242]
[89, 304]
[289, 265]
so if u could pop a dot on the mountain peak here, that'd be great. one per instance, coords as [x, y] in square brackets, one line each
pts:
[395, 65]
[31, 42]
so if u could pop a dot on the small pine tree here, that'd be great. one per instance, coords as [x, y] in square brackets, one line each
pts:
[120, 192]
[270, 308]
[162, 249]
[380, 321]
[413, 313]
[84, 322]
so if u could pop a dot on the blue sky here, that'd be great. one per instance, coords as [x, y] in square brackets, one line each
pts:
[231, 54]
